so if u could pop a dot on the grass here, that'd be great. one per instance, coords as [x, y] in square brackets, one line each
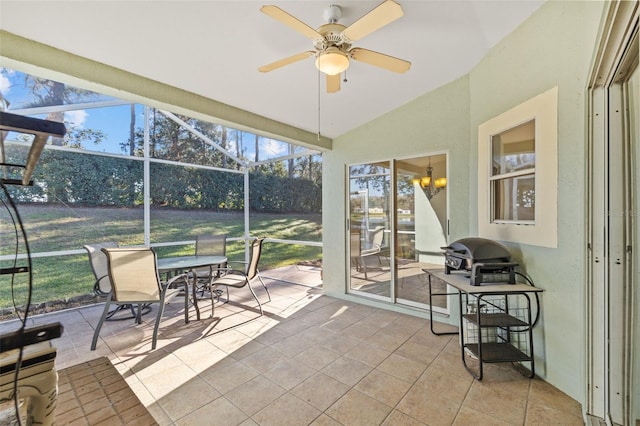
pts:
[57, 228]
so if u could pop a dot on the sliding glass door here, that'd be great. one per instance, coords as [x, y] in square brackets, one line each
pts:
[369, 227]
[397, 224]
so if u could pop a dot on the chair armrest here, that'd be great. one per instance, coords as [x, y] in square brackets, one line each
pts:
[374, 249]
[96, 286]
[184, 277]
[229, 270]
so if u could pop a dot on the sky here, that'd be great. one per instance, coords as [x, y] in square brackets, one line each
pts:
[114, 121]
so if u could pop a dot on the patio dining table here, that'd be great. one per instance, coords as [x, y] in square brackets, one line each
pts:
[190, 263]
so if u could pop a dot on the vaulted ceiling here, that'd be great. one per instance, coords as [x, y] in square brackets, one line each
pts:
[214, 48]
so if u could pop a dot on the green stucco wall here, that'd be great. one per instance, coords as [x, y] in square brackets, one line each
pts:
[553, 47]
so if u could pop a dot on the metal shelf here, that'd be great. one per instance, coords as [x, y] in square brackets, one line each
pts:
[497, 352]
[500, 319]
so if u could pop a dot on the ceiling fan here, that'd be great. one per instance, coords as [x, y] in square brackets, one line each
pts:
[332, 42]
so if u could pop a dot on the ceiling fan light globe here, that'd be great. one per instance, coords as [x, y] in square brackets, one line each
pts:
[332, 62]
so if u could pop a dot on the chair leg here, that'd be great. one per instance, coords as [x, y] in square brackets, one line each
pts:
[364, 266]
[213, 302]
[157, 324]
[265, 287]
[254, 296]
[105, 312]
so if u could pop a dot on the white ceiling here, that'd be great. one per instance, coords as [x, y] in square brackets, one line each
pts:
[214, 48]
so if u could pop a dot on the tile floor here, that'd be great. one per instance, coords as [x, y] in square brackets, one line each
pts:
[310, 360]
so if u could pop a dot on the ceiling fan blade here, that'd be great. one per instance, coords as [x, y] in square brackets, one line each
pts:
[291, 21]
[382, 15]
[333, 83]
[286, 61]
[380, 60]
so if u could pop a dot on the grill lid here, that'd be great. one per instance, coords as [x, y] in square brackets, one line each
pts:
[478, 249]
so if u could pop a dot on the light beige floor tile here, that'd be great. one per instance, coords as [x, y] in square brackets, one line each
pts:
[200, 355]
[540, 414]
[356, 408]
[264, 359]
[258, 327]
[247, 349]
[411, 323]
[467, 416]
[271, 336]
[419, 353]
[359, 331]
[383, 387]
[292, 346]
[397, 418]
[316, 334]
[142, 393]
[188, 398]
[346, 370]
[291, 327]
[381, 318]
[445, 384]
[317, 357]
[428, 407]
[396, 329]
[386, 341]
[425, 337]
[320, 390]
[336, 324]
[229, 377]
[495, 402]
[150, 363]
[544, 393]
[368, 354]
[311, 318]
[165, 382]
[229, 340]
[288, 373]
[324, 420]
[288, 410]
[451, 363]
[255, 394]
[340, 344]
[402, 368]
[159, 415]
[220, 412]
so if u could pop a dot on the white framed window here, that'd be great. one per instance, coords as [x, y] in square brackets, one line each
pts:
[518, 173]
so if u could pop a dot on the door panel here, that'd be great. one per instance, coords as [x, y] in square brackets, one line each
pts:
[420, 226]
[369, 225]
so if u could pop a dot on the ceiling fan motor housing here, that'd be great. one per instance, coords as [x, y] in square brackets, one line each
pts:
[332, 13]
[332, 36]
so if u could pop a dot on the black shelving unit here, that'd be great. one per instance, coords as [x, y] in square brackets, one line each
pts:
[27, 367]
[495, 322]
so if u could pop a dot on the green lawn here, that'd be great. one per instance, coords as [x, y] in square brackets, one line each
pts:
[55, 228]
